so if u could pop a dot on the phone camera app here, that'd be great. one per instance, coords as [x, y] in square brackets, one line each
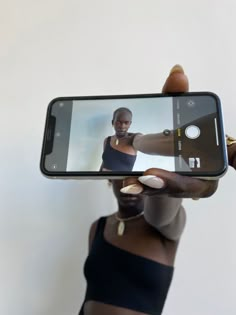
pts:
[192, 132]
[190, 103]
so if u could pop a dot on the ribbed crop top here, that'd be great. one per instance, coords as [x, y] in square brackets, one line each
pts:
[115, 276]
[115, 160]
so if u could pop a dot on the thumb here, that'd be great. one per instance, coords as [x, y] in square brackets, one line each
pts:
[177, 81]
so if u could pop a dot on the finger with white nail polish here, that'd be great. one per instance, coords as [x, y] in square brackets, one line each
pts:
[152, 181]
[133, 189]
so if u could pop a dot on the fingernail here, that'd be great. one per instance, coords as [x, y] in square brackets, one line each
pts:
[133, 189]
[152, 181]
[177, 68]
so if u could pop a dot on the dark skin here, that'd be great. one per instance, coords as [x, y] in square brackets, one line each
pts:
[232, 155]
[149, 242]
[121, 123]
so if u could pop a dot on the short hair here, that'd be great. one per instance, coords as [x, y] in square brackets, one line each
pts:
[121, 109]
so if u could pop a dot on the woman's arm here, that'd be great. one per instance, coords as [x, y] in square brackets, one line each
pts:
[166, 214]
[92, 232]
[155, 144]
[164, 190]
[104, 145]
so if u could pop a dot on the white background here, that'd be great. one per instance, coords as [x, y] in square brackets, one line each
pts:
[61, 48]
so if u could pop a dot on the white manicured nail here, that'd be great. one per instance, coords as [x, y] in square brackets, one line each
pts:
[152, 181]
[133, 189]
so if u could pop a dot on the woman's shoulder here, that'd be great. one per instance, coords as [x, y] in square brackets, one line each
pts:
[106, 140]
[94, 226]
[92, 231]
[95, 223]
[134, 134]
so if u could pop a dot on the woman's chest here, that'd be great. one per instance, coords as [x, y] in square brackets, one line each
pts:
[143, 241]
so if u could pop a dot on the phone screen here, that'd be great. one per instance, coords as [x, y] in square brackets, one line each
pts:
[89, 135]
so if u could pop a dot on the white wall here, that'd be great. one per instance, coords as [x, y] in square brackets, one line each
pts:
[57, 48]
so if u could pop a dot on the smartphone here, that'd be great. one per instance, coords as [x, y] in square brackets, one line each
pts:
[123, 135]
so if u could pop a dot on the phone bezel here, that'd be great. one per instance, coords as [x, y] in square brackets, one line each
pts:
[122, 175]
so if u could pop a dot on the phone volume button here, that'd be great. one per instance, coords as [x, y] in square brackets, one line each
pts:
[49, 134]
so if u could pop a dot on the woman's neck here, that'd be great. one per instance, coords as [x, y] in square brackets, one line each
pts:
[126, 212]
[121, 136]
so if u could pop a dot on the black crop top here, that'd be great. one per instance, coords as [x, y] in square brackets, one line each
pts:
[115, 276]
[115, 160]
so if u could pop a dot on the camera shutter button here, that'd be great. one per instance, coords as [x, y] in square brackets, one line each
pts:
[192, 132]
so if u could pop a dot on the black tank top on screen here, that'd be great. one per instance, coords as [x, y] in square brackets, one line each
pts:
[117, 277]
[115, 160]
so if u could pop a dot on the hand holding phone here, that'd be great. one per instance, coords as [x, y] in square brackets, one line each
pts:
[160, 184]
[120, 136]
